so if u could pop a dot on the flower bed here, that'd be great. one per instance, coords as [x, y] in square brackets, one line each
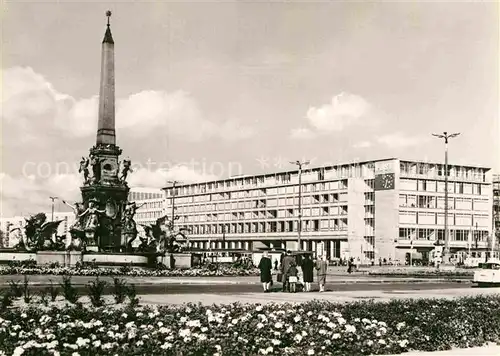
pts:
[313, 328]
[131, 272]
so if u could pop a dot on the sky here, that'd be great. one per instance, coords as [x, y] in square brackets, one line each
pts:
[211, 89]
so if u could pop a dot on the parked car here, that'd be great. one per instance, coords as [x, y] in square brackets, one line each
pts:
[488, 275]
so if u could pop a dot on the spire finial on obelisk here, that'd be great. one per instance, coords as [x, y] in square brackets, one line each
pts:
[108, 14]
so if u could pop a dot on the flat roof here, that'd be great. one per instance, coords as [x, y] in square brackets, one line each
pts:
[243, 176]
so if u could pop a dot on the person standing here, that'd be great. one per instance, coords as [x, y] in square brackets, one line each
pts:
[285, 266]
[265, 266]
[322, 267]
[350, 265]
[292, 277]
[307, 272]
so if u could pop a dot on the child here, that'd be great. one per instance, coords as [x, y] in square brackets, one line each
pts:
[292, 277]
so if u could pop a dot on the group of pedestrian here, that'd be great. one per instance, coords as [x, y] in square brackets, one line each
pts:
[289, 272]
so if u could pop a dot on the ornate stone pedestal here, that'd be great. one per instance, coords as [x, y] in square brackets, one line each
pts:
[176, 260]
[63, 258]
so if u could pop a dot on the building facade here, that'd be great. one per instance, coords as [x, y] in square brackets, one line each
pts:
[496, 210]
[376, 209]
[152, 203]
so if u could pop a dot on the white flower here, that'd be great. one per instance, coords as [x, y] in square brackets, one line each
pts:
[336, 336]
[403, 343]
[97, 343]
[75, 354]
[260, 326]
[350, 328]
[401, 325]
[275, 342]
[278, 325]
[310, 352]
[194, 323]
[341, 321]
[18, 351]
[184, 333]
[139, 343]
[370, 342]
[297, 318]
[166, 346]
[259, 308]
[381, 341]
[297, 338]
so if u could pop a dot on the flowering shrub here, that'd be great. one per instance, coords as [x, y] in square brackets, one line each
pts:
[313, 328]
[220, 271]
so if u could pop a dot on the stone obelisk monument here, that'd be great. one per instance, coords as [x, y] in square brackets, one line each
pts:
[105, 192]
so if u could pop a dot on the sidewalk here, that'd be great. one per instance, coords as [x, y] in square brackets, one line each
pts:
[333, 296]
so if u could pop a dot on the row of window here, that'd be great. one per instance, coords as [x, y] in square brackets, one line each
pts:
[439, 187]
[323, 173]
[270, 227]
[132, 196]
[264, 192]
[426, 218]
[262, 203]
[427, 169]
[433, 202]
[438, 234]
[268, 214]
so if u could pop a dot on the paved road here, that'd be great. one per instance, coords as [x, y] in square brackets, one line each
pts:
[255, 287]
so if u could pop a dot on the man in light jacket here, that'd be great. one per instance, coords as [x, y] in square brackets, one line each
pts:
[322, 267]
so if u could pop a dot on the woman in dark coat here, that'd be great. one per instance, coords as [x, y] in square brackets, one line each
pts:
[307, 271]
[265, 266]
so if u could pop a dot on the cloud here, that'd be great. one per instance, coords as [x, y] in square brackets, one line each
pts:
[233, 130]
[159, 178]
[362, 144]
[30, 103]
[302, 133]
[400, 140]
[29, 195]
[344, 110]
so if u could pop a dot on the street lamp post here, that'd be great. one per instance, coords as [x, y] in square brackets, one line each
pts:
[174, 184]
[52, 215]
[299, 229]
[476, 237]
[446, 252]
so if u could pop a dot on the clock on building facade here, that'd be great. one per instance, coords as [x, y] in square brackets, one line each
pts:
[384, 181]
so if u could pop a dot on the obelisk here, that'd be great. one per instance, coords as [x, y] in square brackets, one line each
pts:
[106, 123]
[107, 188]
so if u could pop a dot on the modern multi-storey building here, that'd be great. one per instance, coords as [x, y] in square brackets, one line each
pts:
[496, 210]
[377, 209]
[152, 203]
